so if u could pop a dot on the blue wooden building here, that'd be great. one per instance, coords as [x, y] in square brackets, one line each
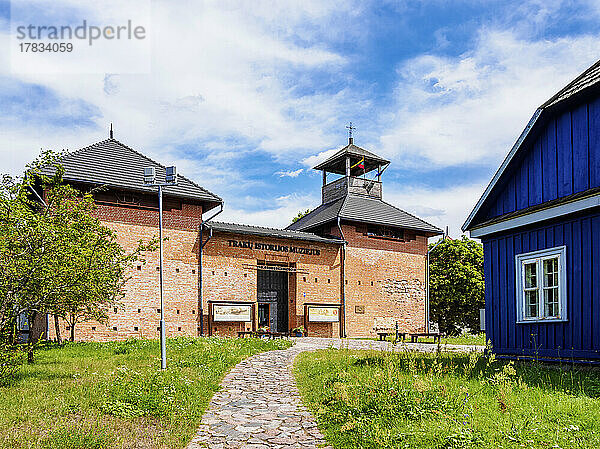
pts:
[539, 221]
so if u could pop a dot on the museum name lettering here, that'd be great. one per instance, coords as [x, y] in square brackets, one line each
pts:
[271, 247]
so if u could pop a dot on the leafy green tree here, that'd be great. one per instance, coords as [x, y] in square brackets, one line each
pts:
[456, 285]
[300, 215]
[56, 255]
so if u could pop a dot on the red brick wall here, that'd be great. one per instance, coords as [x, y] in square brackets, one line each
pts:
[391, 275]
[385, 278]
[229, 276]
[141, 304]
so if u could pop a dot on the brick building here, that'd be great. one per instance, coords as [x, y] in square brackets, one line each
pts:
[353, 263]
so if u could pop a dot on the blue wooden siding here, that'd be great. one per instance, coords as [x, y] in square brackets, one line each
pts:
[579, 337]
[563, 159]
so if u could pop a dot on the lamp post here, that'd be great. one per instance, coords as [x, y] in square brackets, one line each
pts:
[150, 181]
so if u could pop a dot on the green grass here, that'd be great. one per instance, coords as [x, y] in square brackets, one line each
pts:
[111, 395]
[465, 339]
[364, 399]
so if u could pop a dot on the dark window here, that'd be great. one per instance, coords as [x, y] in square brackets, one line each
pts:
[316, 280]
[193, 312]
[193, 271]
[226, 273]
[359, 310]
[157, 310]
[157, 268]
[135, 328]
[176, 270]
[371, 283]
[358, 282]
[139, 310]
[213, 272]
[93, 328]
[114, 328]
[179, 329]
[139, 267]
[177, 311]
[329, 281]
[384, 231]
[304, 279]
[245, 275]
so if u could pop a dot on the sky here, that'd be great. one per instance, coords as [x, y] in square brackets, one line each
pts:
[246, 97]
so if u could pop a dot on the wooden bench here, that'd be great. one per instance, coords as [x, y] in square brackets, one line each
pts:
[383, 334]
[414, 338]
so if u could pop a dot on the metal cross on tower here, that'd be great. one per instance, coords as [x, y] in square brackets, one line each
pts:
[350, 129]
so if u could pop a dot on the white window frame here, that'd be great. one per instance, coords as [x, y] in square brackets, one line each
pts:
[538, 258]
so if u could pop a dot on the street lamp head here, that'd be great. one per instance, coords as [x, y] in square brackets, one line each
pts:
[171, 175]
[149, 176]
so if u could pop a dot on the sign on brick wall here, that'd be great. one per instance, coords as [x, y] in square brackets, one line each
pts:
[323, 314]
[232, 312]
[274, 247]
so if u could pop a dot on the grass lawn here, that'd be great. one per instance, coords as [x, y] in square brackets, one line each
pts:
[365, 399]
[465, 339]
[111, 395]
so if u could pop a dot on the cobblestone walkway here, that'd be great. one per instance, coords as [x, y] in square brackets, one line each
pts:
[259, 407]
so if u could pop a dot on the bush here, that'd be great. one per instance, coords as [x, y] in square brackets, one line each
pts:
[11, 359]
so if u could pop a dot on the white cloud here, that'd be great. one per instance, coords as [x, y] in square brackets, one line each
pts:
[280, 216]
[217, 72]
[289, 173]
[440, 206]
[452, 111]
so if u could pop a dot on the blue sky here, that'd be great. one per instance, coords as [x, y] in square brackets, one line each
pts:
[246, 99]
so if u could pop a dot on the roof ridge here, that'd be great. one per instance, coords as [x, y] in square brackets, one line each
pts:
[571, 84]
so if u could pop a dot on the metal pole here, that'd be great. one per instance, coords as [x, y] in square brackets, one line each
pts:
[163, 342]
[200, 280]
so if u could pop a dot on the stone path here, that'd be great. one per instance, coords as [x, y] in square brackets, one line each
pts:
[259, 407]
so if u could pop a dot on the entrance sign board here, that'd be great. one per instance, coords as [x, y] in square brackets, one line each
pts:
[274, 247]
[324, 314]
[232, 312]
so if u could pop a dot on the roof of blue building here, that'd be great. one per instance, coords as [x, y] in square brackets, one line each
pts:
[577, 91]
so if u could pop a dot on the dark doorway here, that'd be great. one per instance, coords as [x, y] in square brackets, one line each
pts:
[264, 318]
[273, 293]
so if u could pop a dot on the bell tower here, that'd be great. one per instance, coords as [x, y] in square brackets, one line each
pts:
[356, 167]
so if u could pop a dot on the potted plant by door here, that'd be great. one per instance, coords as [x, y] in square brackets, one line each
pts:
[298, 331]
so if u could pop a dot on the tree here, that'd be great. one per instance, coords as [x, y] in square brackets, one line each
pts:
[300, 215]
[456, 285]
[56, 255]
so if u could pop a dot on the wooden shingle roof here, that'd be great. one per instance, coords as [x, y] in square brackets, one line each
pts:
[235, 228]
[113, 164]
[362, 209]
[337, 162]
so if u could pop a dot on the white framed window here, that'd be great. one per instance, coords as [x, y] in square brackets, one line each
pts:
[541, 281]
